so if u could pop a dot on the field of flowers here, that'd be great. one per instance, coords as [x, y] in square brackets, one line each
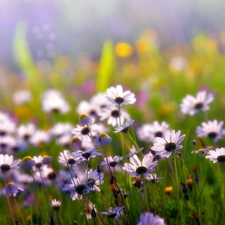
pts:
[134, 137]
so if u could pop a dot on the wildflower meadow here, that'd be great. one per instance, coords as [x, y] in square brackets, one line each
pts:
[134, 137]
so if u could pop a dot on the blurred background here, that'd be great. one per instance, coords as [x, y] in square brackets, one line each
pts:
[72, 27]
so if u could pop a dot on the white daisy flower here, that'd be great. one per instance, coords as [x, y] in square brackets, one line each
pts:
[21, 97]
[149, 218]
[112, 212]
[117, 96]
[87, 131]
[137, 167]
[87, 107]
[66, 158]
[7, 125]
[60, 129]
[53, 101]
[86, 154]
[25, 131]
[191, 105]
[149, 131]
[217, 155]
[114, 116]
[7, 162]
[166, 146]
[55, 204]
[212, 129]
[94, 180]
[111, 161]
[40, 138]
[78, 187]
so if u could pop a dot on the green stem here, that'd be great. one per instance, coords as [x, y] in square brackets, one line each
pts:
[177, 189]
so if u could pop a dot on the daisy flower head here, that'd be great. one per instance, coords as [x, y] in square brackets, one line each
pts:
[149, 218]
[7, 162]
[212, 129]
[12, 189]
[217, 155]
[137, 167]
[21, 97]
[90, 210]
[149, 131]
[94, 180]
[78, 187]
[192, 105]
[53, 101]
[166, 146]
[66, 158]
[27, 163]
[25, 131]
[55, 204]
[117, 96]
[111, 161]
[112, 212]
[86, 154]
[86, 131]
[114, 116]
[124, 128]
[103, 139]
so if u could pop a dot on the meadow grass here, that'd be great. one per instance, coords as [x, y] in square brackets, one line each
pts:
[192, 187]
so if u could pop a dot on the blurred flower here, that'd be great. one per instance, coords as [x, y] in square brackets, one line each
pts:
[26, 131]
[114, 116]
[123, 49]
[166, 146]
[27, 163]
[86, 154]
[60, 129]
[55, 204]
[78, 187]
[149, 131]
[111, 161]
[94, 180]
[212, 129]
[7, 125]
[117, 96]
[40, 138]
[178, 63]
[90, 210]
[124, 128]
[153, 177]
[12, 189]
[85, 132]
[103, 139]
[53, 101]
[149, 218]
[66, 158]
[217, 155]
[7, 162]
[168, 189]
[133, 151]
[21, 97]
[137, 167]
[112, 212]
[191, 105]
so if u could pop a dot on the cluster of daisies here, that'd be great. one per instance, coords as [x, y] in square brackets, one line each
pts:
[90, 139]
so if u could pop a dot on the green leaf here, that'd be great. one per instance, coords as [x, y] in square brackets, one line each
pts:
[24, 59]
[106, 66]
